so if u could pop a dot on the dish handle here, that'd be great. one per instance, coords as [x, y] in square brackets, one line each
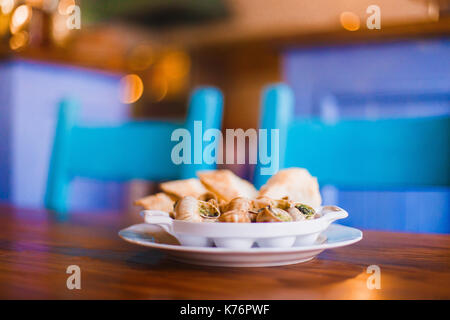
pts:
[159, 218]
[333, 213]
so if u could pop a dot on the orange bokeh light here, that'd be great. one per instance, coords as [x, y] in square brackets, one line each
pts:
[159, 86]
[64, 5]
[175, 64]
[18, 40]
[132, 88]
[350, 21]
[20, 17]
[6, 6]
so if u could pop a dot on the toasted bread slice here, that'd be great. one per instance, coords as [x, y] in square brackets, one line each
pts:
[184, 188]
[159, 201]
[226, 185]
[296, 184]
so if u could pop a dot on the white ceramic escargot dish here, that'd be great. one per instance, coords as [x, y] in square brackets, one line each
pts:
[246, 235]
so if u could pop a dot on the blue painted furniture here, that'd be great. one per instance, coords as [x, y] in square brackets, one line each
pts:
[393, 79]
[30, 92]
[385, 154]
[135, 150]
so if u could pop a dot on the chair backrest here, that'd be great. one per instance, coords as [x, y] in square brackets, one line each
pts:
[393, 155]
[134, 150]
[359, 153]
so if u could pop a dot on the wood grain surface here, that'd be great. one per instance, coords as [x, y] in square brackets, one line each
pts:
[36, 249]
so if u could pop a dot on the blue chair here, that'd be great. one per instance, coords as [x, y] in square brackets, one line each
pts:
[386, 154]
[135, 150]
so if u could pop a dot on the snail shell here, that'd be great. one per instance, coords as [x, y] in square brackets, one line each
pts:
[263, 202]
[187, 209]
[295, 214]
[284, 203]
[236, 216]
[252, 215]
[239, 203]
[208, 210]
[213, 202]
[208, 196]
[191, 209]
[223, 206]
[307, 211]
[272, 214]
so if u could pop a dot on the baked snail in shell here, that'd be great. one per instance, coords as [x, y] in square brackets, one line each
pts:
[263, 202]
[273, 214]
[236, 216]
[307, 211]
[193, 210]
[295, 214]
[238, 210]
[239, 203]
[300, 211]
[242, 210]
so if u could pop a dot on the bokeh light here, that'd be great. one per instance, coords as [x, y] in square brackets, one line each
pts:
[60, 32]
[159, 86]
[132, 88]
[433, 10]
[350, 21]
[64, 5]
[6, 6]
[175, 64]
[20, 17]
[18, 40]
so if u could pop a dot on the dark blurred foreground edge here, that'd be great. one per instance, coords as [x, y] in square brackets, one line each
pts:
[221, 309]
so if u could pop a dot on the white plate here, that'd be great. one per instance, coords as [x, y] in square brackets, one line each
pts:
[155, 237]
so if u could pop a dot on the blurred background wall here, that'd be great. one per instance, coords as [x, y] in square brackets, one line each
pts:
[29, 107]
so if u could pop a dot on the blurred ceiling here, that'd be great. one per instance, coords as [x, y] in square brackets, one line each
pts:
[154, 13]
[199, 23]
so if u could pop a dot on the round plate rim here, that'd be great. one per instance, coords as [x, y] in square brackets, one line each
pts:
[178, 248]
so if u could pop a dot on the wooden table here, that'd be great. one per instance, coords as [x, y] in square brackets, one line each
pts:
[36, 249]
